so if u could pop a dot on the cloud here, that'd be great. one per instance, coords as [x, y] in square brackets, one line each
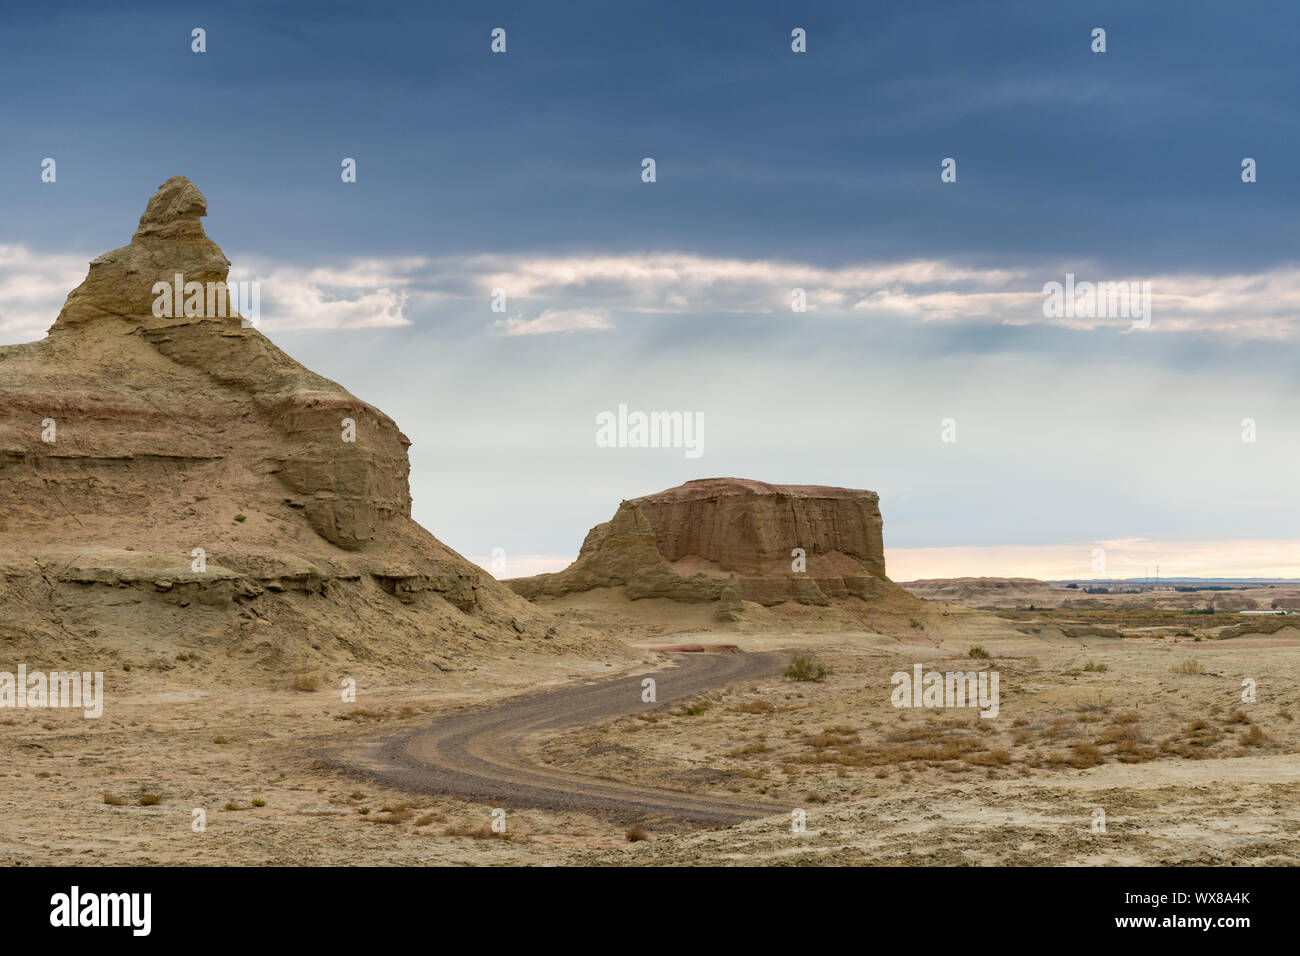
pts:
[576, 292]
[358, 294]
[32, 289]
[1240, 306]
[556, 320]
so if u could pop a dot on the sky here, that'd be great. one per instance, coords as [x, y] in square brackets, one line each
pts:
[1003, 437]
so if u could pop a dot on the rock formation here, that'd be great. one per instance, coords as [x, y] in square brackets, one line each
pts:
[732, 540]
[180, 480]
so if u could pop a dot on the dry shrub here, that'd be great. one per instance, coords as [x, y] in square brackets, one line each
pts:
[1130, 751]
[989, 758]
[1118, 732]
[113, 800]
[363, 713]
[306, 682]
[150, 799]
[1082, 755]
[636, 834]
[393, 816]
[828, 739]
[1059, 728]
[1197, 738]
[804, 668]
[694, 709]
[482, 831]
[754, 707]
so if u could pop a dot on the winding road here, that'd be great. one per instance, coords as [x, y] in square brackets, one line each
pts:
[478, 755]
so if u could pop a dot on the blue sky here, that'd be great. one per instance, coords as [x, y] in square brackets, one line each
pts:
[774, 169]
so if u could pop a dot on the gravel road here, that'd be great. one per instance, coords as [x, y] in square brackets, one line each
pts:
[477, 755]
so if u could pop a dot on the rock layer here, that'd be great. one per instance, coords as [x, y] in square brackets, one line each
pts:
[183, 476]
[729, 539]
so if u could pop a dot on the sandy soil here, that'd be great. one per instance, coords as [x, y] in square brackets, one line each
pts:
[1184, 770]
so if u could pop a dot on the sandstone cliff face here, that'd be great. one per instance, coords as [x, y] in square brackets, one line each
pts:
[128, 441]
[719, 539]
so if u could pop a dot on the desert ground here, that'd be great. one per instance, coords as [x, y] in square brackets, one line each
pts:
[1143, 721]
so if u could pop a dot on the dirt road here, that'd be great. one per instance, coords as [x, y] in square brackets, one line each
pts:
[478, 755]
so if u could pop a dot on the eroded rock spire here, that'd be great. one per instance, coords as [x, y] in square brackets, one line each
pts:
[169, 241]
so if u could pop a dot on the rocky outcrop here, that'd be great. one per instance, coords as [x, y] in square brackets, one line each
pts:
[731, 540]
[152, 465]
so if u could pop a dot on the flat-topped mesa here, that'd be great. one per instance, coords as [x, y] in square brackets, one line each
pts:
[751, 527]
[765, 543]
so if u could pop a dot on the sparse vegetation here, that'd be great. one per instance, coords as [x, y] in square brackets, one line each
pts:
[636, 834]
[804, 668]
[1096, 667]
[150, 799]
[367, 713]
[399, 813]
[481, 831]
[977, 651]
[1083, 755]
[113, 800]
[306, 682]
[1189, 666]
[694, 709]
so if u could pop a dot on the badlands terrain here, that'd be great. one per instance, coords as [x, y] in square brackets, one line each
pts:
[762, 613]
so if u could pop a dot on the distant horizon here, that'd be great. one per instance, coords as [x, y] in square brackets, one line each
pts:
[1209, 561]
